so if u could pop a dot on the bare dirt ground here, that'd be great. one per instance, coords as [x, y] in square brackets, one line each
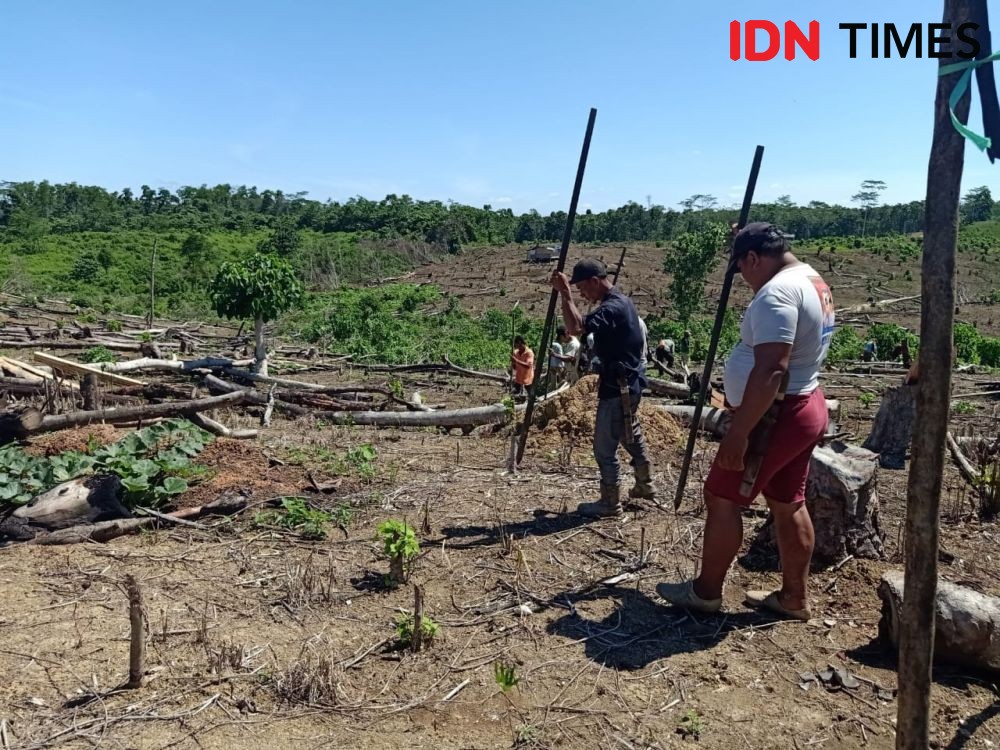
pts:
[498, 277]
[258, 638]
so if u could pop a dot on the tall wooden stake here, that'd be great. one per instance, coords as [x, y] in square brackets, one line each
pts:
[944, 180]
[713, 344]
[541, 357]
[137, 641]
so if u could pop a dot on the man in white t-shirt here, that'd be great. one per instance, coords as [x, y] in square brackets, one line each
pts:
[773, 371]
[570, 354]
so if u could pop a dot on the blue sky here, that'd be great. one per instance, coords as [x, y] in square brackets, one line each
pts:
[469, 101]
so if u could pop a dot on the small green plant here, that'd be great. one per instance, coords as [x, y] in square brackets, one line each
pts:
[963, 407]
[362, 458]
[99, 354]
[867, 398]
[989, 490]
[114, 326]
[404, 629]
[505, 675]
[396, 387]
[691, 725]
[400, 545]
[145, 337]
[296, 515]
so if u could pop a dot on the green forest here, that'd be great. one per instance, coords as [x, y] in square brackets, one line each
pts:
[94, 247]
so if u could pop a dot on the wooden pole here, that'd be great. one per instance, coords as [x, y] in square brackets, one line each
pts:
[618, 271]
[541, 356]
[944, 181]
[713, 345]
[137, 641]
[417, 639]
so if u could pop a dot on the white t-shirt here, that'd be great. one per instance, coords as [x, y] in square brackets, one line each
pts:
[645, 339]
[571, 348]
[555, 349]
[795, 307]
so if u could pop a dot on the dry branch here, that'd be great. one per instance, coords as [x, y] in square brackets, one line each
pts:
[964, 465]
[115, 414]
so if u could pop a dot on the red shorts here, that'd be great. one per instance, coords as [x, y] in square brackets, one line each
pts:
[783, 473]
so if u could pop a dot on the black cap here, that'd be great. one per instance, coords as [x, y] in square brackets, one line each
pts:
[753, 236]
[588, 268]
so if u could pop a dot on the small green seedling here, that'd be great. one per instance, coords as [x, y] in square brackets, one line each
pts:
[691, 725]
[296, 515]
[400, 545]
[505, 675]
[963, 407]
[867, 399]
[404, 629]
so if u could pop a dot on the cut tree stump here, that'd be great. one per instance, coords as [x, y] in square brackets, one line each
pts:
[87, 500]
[843, 504]
[966, 623]
[892, 429]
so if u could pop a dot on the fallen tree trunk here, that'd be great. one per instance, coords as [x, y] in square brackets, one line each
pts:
[172, 365]
[970, 473]
[666, 388]
[716, 421]
[465, 418]
[966, 623]
[878, 306]
[255, 397]
[447, 367]
[128, 413]
[217, 428]
[892, 430]
[79, 344]
[105, 531]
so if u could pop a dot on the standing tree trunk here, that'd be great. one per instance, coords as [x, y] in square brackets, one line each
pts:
[944, 181]
[152, 287]
[260, 351]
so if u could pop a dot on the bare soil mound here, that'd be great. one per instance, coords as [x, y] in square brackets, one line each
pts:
[570, 416]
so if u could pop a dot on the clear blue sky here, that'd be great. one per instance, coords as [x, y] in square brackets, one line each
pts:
[470, 101]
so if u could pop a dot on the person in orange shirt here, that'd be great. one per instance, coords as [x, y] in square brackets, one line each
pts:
[522, 360]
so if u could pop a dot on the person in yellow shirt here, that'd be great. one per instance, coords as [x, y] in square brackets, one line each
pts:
[522, 361]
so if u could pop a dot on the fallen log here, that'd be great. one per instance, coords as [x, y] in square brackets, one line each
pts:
[173, 365]
[464, 418]
[715, 420]
[970, 473]
[65, 365]
[255, 397]
[666, 388]
[447, 367]
[870, 307]
[966, 623]
[79, 344]
[217, 428]
[53, 422]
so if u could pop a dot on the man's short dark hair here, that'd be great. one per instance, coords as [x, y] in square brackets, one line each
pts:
[518, 340]
[560, 331]
[762, 238]
[588, 268]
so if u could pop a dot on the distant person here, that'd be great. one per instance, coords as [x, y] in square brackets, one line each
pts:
[645, 342]
[685, 348]
[570, 355]
[522, 361]
[663, 357]
[556, 365]
[869, 351]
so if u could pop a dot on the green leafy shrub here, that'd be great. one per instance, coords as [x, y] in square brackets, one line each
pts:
[404, 629]
[99, 354]
[505, 675]
[845, 345]
[989, 351]
[690, 260]
[887, 336]
[967, 340]
[400, 545]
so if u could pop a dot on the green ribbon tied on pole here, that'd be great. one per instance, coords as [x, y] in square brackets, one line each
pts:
[982, 142]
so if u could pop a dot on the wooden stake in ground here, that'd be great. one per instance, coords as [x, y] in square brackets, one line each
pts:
[137, 642]
[417, 639]
[713, 345]
[944, 181]
[541, 356]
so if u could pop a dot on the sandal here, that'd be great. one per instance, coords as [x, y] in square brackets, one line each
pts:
[682, 595]
[769, 600]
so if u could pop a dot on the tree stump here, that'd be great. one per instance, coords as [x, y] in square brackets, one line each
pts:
[79, 501]
[843, 504]
[18, 425]
[966, 623]
[90, 391]
[892, 429]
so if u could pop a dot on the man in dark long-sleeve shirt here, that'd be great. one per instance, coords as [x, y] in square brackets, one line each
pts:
[619, 345]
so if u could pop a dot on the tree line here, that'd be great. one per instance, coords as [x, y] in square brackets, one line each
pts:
[32, 210]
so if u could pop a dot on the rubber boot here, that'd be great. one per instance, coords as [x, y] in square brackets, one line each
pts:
[609, 506]
[644, 488]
